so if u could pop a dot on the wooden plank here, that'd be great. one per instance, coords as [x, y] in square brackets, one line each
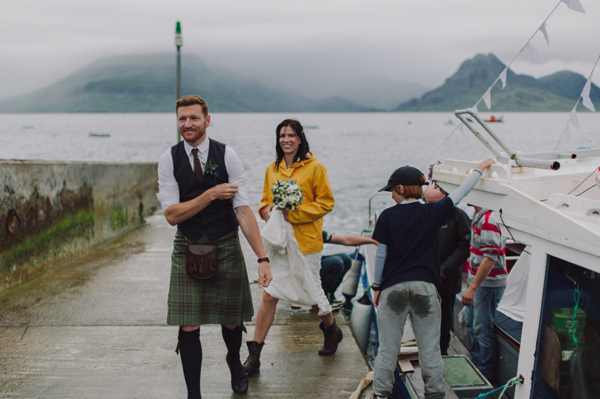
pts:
[416, 381]
[406, 366]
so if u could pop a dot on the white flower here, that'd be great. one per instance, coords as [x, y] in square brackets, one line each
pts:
[287, 194]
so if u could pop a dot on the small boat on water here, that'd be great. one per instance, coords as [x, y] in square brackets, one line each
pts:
[494, 119]
[548, 203]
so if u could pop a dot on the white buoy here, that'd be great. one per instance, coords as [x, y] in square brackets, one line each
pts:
[350, 282]
[360, 321]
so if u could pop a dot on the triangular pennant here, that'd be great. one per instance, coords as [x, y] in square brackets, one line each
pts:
[545, 32]
[585, 95]
[503, 77]
[574, 5]
[487, 98]
[530, 52]
[449, 149]
[573, 118]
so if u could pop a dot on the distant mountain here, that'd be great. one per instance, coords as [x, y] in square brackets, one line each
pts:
[146, 83]
[557, 92]
[375, 91]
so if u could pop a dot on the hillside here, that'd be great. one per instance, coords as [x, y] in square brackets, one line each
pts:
[557, 92]
[146, 83]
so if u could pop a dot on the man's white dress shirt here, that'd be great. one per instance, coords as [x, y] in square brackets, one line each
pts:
[168, 189]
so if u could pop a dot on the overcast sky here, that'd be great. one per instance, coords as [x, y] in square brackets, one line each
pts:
[309, 45]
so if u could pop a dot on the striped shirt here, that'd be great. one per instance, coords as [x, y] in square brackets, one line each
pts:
[487, 241]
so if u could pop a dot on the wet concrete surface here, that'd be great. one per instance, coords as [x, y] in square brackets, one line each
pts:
[95, 328]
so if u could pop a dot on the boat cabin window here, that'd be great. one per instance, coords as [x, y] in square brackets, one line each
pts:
[568, 350]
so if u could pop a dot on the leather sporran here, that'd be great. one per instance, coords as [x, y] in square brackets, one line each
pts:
[201, 261]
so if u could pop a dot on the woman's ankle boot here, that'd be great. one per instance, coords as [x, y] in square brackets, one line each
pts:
[333, 336]
[252, 363]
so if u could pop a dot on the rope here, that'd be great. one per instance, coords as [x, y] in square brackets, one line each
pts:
[512, 382]
[576, 296]
[583, 181]
[586, 190]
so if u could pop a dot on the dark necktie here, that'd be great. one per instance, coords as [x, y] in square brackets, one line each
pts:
[197, 167]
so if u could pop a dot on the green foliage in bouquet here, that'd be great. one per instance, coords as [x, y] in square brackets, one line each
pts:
[287, 194]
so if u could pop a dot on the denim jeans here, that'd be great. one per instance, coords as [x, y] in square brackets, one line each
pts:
[480, 324]
[333, 268]
[420, 300]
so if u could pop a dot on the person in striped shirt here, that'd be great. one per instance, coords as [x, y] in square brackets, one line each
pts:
[487, 281]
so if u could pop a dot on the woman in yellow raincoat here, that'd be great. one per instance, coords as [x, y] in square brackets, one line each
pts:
[295, 161]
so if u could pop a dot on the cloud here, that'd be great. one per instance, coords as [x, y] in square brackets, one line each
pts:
[310, 45]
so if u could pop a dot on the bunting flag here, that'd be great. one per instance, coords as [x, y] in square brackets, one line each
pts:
[545, 32]
[573, 117]
[585, 95]
[587, 102]
[530, 52]
[487, 98]
[574, 5]
[503, 77]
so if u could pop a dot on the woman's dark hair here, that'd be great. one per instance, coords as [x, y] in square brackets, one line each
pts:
[303, 148]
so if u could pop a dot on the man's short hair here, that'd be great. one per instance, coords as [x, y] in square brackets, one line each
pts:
[192, 100]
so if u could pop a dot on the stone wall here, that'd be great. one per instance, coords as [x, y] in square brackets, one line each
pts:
[51, 212]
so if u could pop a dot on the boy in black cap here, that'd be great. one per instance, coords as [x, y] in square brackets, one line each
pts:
[406, 271]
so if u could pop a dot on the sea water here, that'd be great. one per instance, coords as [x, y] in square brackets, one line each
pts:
[359, 150]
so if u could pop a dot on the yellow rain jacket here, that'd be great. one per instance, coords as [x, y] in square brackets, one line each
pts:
[318, 199]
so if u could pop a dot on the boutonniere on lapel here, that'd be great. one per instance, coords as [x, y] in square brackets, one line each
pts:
[211, 169]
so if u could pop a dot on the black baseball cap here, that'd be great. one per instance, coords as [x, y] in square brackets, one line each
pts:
[406, 175]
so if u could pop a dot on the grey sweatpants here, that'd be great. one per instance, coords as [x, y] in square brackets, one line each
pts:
[420, 300]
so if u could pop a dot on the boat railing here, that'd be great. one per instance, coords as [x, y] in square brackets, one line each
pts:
[373, 215]
[519, 159]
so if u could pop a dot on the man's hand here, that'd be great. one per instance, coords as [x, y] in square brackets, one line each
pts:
[183, 211]
[483, 165]
[487, 264]
[265, 213]
[468, 296]
[376, 296]
[264, 274]
[224, 191]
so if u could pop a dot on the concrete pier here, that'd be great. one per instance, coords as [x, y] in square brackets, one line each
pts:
[95, 328]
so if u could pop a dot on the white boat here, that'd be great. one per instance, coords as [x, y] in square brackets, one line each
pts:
[550, 202]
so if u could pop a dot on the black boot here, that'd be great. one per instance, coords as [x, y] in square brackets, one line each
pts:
[252, 364]
[190, 351]
[233, 341]
[333, 336]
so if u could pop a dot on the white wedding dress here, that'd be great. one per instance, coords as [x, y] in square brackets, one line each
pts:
[295, 280]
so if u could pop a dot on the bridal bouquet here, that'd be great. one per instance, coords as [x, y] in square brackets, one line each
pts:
[287, 194]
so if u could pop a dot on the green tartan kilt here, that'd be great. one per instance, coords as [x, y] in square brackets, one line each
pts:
[225, 298]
